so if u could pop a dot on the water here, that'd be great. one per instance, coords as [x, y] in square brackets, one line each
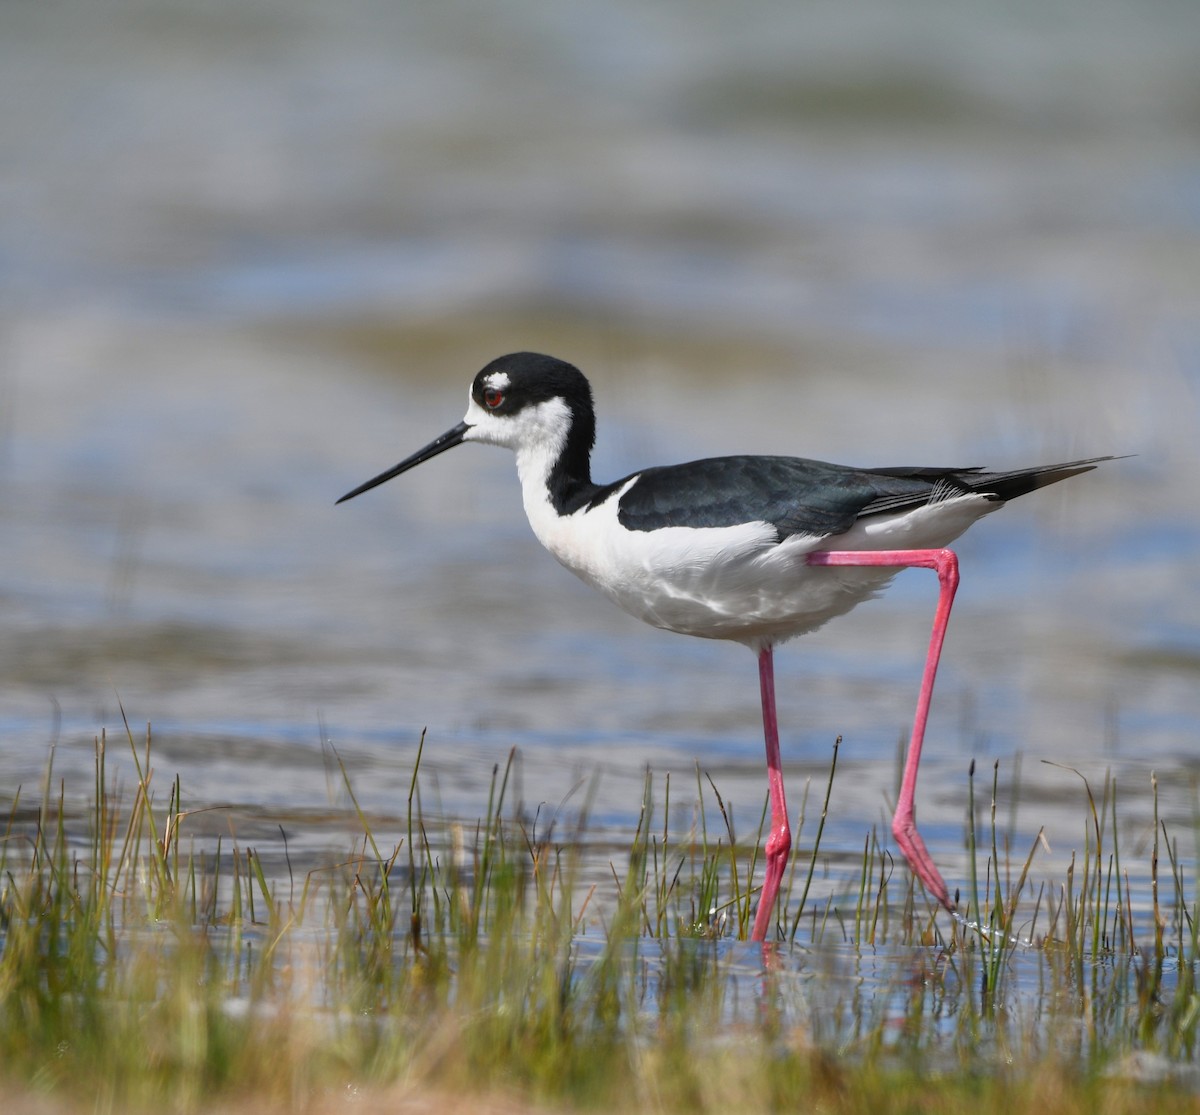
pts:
[253, 254]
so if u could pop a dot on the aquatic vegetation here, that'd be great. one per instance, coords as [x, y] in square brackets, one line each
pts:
[142, 967]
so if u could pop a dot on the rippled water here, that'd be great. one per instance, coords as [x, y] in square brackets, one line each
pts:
[253, 254]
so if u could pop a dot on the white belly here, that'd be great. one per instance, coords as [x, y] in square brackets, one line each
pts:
[738, 582]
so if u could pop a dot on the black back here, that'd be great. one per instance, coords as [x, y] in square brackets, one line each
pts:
[797, 495]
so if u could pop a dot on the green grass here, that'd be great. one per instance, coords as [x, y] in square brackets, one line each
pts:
[504, 959]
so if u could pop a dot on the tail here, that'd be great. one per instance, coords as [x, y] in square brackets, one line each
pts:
[1003, 486]
[920, 486]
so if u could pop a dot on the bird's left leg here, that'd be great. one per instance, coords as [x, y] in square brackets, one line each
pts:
[779, 842]
[904, 825]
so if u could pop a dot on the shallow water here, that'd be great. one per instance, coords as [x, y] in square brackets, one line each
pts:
[254, 253]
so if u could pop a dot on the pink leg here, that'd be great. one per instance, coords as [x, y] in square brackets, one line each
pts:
[779, 842]
[904, 825]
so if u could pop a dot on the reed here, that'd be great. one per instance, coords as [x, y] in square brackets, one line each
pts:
[139, 970]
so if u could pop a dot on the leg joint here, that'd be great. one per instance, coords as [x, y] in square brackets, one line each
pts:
[944, 562]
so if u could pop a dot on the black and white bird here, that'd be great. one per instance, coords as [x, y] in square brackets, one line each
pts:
[753, 549]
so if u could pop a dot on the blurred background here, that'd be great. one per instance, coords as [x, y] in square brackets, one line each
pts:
[253, 251]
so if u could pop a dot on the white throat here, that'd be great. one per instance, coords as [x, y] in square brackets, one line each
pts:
[543, 438]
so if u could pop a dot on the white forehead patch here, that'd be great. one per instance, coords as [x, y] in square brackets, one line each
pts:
[498, 380]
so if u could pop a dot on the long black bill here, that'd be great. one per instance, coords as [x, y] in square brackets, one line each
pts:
[448, 440]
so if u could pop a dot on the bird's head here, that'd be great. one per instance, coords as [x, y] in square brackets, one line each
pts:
[524, 401]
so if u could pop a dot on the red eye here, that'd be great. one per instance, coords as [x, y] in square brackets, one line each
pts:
[492, 397]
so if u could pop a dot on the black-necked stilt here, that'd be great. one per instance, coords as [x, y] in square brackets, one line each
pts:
[752, 549]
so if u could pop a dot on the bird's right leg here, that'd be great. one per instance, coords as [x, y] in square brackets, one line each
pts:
[904, 824]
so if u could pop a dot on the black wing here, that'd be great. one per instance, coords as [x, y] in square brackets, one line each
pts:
[796, 495]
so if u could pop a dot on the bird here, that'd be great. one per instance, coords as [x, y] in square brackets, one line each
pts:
[752, 549]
